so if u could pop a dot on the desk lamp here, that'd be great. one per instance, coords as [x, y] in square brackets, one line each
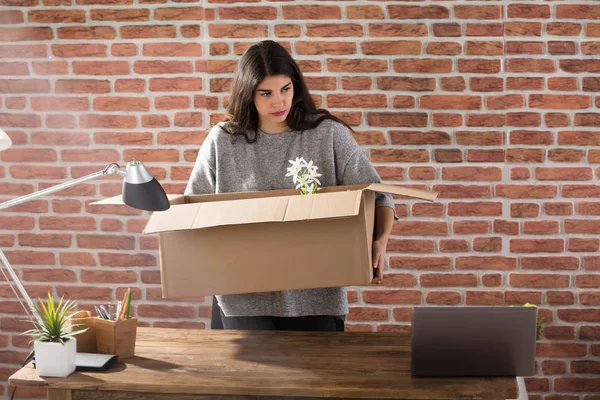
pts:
[140, 190]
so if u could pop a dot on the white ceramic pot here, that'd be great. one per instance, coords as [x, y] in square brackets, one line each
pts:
[55, 359]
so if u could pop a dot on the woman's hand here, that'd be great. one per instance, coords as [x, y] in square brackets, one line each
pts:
[384, 219]
[379, 247]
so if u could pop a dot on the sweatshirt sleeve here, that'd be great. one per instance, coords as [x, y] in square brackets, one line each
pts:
[203, 178]
[354, 166]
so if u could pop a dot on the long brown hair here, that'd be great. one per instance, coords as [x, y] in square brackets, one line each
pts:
[261, 60]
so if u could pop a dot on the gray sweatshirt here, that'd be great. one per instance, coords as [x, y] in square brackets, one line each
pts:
[230, 164]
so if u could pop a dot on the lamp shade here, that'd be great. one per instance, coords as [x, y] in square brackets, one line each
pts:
[141, 190]
[5, 141]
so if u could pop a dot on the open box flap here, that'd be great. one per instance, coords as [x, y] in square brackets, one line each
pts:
[257, 210]
[404, 191]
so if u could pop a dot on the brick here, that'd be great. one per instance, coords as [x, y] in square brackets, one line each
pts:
[419, 138]
[367, 314]
[175, 84]
[529, 65]
[309, 12]
[550, 263]
[451, 102]
[477, 12]
[422, 65]
[237, 31]
[354, 101]
[30, 257]
[86, 33]
[108, 121]
[397, 119]
[579, 66]
[573, 191]
[560, 298]
[287, 30]
[447, 155]
[490, 29]
[517, 155]
[514, 83]
[539, 281]
[182, 14]
[540, 227]
[190, 31]
[524, 210]
[97, 276]
[524, 47]
[588, 208]
[453, 83]
[420, 228]
[13, 86]
[486, 84]
[447, 120]
[365, 12]
[503, 102]
[563, 28]
[475, 209]
[422, 173]
[523, 119]
[421, 263]
[522, 29]
[470, 227]
[583, 244]
[519, 174]
[566, 155]
[506, 227]
[410, 246]
[386, 47]
[24, 51]
[120, 15]
[443, 48]
[587, 226]
[462, 191]
[537, 245]
[484, 298]
[555, 120]
[487, 244]
[392, 296]
[35, 172]
[479, 66]
[404, 83]
[148, 32]
[559, 101]
[394, 30]
[448, 280]
[453, 246]
[486, 263]
[518, 298]
[527, 11]
[485, 48]
[443, 298]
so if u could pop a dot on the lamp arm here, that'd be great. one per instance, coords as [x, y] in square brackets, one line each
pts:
[112, 168]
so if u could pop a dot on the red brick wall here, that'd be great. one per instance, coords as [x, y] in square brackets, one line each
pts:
[490, 103]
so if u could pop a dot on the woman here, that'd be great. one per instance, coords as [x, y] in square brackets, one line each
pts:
[273, 119]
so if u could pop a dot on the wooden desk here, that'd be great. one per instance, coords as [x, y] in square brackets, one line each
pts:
[252, 365]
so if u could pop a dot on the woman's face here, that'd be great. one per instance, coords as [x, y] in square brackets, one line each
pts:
[273, 100]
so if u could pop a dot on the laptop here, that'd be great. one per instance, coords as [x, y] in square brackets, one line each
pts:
[473, 341]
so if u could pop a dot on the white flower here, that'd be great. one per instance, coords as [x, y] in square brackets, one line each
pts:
[304, 175]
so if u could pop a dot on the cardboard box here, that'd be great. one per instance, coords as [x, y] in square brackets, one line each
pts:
[267, 241]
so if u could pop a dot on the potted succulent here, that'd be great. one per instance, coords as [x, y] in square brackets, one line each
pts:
[54, 346]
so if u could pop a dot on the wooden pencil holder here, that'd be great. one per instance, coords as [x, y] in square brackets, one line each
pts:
[116, 337]
[86, 341]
